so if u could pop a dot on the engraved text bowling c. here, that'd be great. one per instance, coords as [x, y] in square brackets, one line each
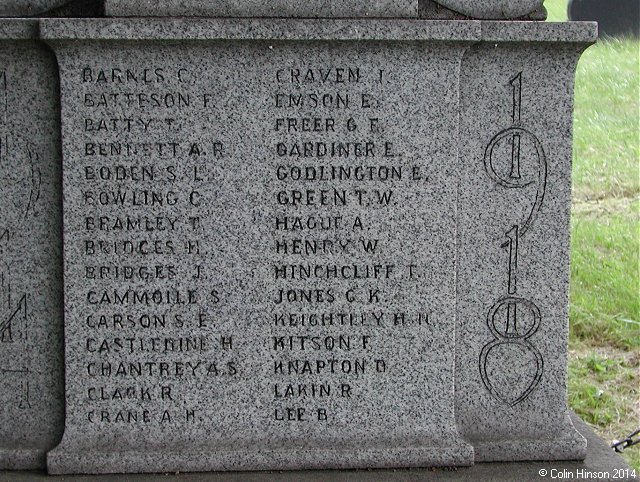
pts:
[510, 365]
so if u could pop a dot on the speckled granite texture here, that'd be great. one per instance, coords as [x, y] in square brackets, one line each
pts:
[27, 8]
[311, 244]
[493, 9]
[513, 241]
[258, 8]
[31, 368]
[601, 463]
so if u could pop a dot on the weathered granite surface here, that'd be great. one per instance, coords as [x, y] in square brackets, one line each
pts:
[601, 463]
[27, 8]
[301, 243]
[31, 376]
[514, 199]
[258, 8]
[431, 10]
[259, 242]
[493, 9]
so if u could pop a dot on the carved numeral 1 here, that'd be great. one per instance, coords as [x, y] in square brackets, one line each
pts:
[516, 83]
[512, 236]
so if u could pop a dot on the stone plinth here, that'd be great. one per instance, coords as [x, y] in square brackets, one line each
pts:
[601, 463]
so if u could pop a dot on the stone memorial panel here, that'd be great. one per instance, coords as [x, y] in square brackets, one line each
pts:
[31, 367]
[260, 243]
[259, 8]
[513, 240]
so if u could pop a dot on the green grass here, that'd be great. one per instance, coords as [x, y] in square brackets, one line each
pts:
[604, 362]
[556, 10]
[607, 123]
[601, 379]
[604, 275]
[604, 389]
[607, 127]
[604, 366]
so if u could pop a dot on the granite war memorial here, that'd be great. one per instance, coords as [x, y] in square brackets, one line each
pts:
[285, 235]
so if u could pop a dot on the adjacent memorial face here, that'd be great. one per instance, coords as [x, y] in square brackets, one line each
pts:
[260, 250]
[31, 364]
